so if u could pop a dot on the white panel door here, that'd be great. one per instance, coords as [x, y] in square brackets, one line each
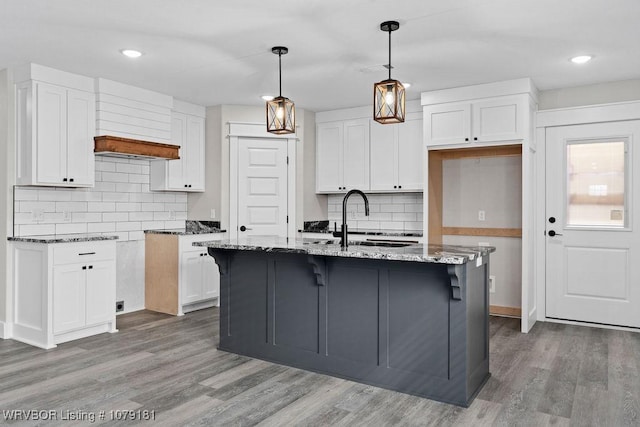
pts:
[68, 297]
[51, 134]
[410, 155]
[81, 128]
[383, 153]
[191, 273]
[356, 155]
[100, 292]
[329, 157]
[175, 168]
[447, 124]
[262, 186]
[593, 217]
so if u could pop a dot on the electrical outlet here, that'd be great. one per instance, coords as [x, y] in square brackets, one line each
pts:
[119, 306]
[37, 215]
[213, 214]
[66, 216]
[481, 215]
[492, 284]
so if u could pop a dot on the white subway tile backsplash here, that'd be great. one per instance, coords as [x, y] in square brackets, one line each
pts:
[101, 206]
[115, 197]
[403, 211]
[119, 204]
[115, 216]
[70, 228]
[101, 227]
[115, 177]
[128, 168]
[71, 206]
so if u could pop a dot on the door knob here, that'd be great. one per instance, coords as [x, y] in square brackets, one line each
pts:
[552, 219]
[243, 228]
[553, 233]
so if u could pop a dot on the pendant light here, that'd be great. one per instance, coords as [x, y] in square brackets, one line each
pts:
[388, 95]
[281, 111]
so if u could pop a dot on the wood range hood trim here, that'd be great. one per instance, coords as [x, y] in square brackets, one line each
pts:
[107, 145]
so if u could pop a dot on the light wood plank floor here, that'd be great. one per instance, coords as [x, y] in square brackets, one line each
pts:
[555, 375]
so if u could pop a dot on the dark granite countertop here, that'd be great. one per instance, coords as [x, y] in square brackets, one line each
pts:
[63, 238]
[414, 252]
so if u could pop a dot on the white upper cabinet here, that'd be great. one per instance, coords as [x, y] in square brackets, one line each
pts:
[56, 126]
[488, 120]
[342, 156]
[396, 154]
[186, 173]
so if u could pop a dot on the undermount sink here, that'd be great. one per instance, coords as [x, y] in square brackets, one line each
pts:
[382, 244]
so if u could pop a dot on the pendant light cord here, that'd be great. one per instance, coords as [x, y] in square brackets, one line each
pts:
[389, 53]
[280, 72]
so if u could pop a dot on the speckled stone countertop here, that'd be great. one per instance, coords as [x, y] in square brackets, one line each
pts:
[413, 253]
[63, 238]
[192, 227]
[323, 227]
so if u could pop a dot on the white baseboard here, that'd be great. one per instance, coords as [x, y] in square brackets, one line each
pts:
[5, 330]
[130, 310]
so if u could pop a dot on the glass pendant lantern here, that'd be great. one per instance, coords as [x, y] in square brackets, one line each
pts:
[281, 111]
[389, 94]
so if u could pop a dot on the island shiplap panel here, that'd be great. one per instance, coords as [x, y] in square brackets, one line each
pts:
[132, 112]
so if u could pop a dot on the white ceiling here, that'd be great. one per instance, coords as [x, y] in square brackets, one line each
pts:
[213, 52]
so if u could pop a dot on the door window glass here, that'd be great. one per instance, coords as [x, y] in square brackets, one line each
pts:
[596, 184]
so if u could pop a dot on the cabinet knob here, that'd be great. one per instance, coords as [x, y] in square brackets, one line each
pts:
[70, 179]
[84, 267]
[395, 186]
[185, 186]
[91, 267]
[552, 219]
[399, 186]
[189, 185]
[64, 179]
[475, 138]
[466, 139]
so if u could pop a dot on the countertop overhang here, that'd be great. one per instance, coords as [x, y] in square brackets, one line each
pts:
[441, 254]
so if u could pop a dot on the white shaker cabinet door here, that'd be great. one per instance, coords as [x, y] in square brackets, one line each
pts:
[68, 297]
[500, 119]
[410, 155]
[329, 157]
[81, 125]
[191, 265]
[356, 155]
[51, 134]
[175, 168]
[383, 153]
[100, 292]
[447, 124]
[210, 278]
[193, 160]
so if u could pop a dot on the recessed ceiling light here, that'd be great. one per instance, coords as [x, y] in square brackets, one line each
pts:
[582, 59]
[131, 53]
[406, 85]
[267, 97]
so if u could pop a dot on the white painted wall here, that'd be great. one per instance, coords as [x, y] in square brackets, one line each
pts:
[6, 182]
[495, 186]
[603, 93]
[315, 205]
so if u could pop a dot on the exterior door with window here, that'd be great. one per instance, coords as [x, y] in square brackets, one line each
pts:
[592, 223]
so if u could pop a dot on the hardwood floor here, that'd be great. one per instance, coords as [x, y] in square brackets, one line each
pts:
[555, 375]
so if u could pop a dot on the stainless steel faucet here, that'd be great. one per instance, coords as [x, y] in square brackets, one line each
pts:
[344, 239]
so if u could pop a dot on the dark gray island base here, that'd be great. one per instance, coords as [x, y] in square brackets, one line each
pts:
[412, 319]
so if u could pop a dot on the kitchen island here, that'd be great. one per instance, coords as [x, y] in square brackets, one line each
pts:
[413, 319]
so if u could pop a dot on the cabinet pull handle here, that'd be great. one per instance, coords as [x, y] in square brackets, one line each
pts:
[91, 267]
[84, 267]
[86, 253]
[70, 179]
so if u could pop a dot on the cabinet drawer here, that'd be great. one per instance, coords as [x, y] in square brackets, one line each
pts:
[69, 253]
[186, 242]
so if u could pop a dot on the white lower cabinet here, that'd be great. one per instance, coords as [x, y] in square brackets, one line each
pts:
[63, 291]
[180, 277]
